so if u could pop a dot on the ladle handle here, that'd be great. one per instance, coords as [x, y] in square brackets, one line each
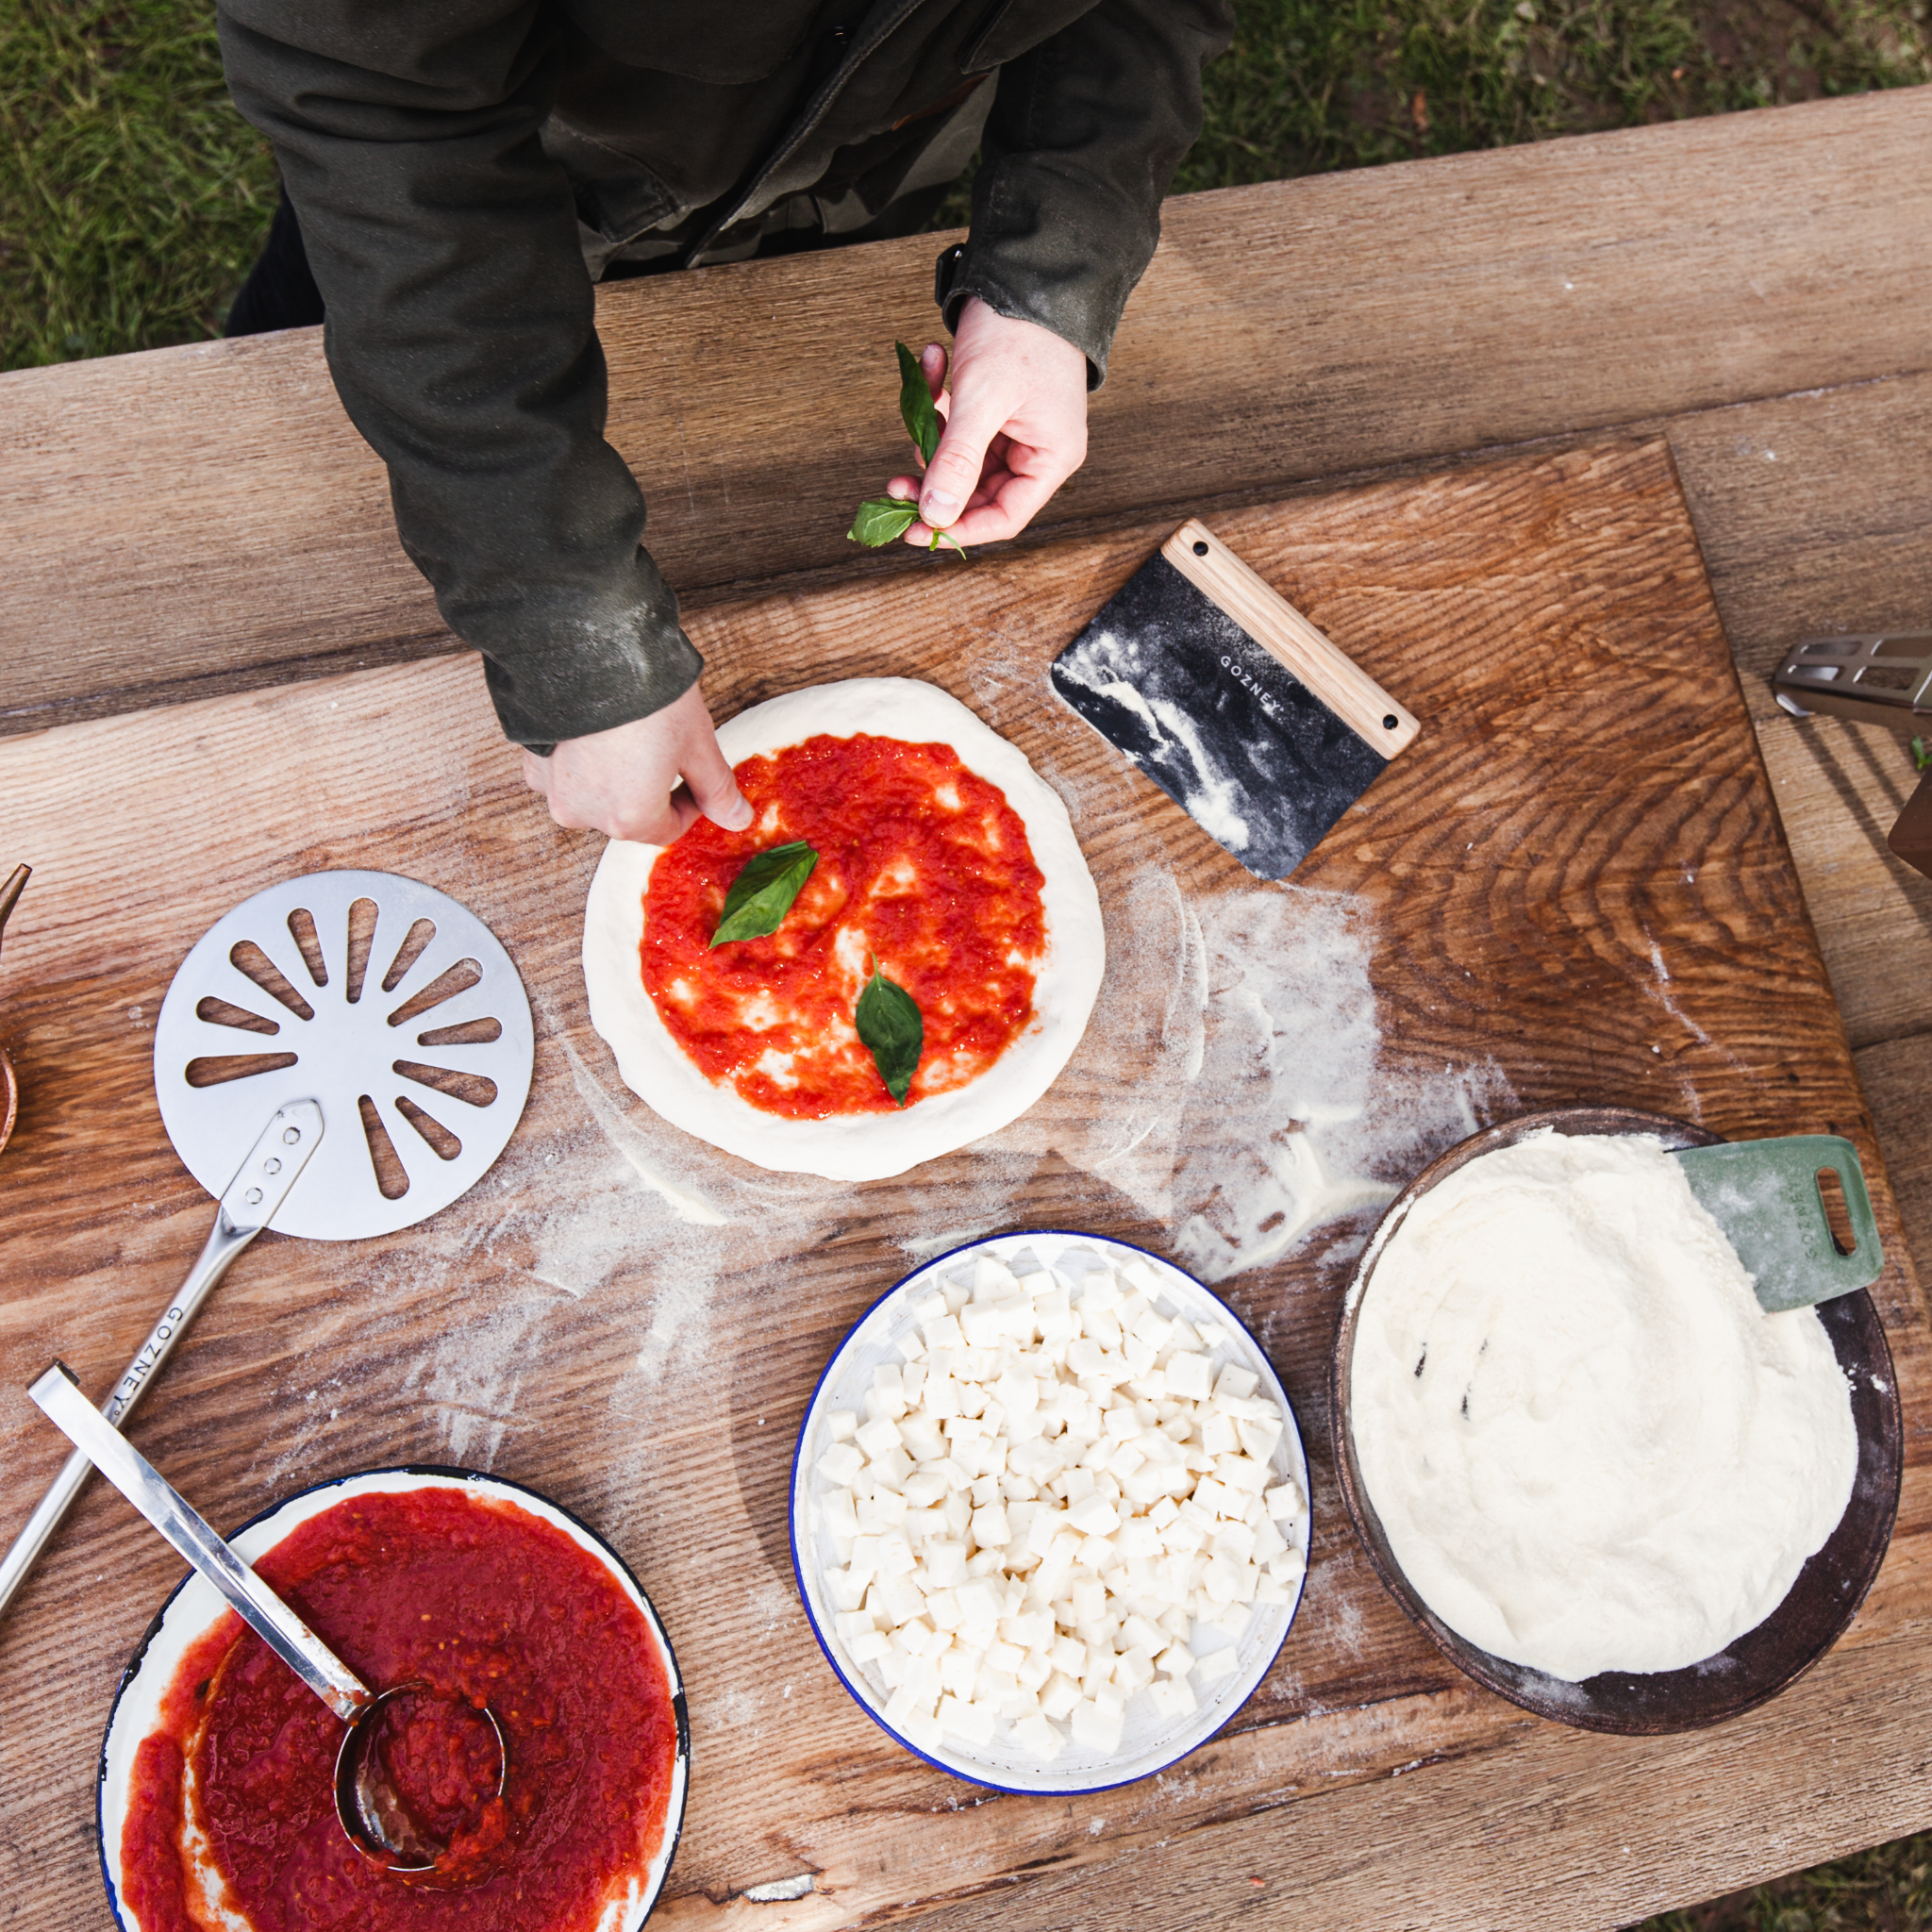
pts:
[58, 1393]
[271, 1169]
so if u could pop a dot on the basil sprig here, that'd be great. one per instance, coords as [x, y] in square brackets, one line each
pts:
[887, 1020]
[762, 893]
[885, 519]
[916, 412]
[882, 519]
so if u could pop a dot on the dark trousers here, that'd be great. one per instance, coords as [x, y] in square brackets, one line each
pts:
[279, 292]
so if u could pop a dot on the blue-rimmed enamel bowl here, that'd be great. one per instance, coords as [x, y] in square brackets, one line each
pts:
[193, 1609]
[1149, 1741]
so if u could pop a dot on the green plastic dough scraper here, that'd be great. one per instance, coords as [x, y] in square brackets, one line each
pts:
[1767, 1196]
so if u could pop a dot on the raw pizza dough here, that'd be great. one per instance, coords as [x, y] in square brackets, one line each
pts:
[860, 1146]
[1589, 1448]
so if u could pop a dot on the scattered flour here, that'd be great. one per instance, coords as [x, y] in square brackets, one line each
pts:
[635, 1146]
[470, 1381]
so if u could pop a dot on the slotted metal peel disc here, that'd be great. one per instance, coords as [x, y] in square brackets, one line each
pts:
[418, 1051]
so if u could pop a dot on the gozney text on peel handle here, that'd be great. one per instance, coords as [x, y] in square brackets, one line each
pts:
[142, 1365]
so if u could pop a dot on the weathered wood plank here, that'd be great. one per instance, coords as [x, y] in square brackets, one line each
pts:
[1556, 1835]
[1812, 511]
[1897, 1078]
[1575, 886]
[201, 519]
[1839, 786]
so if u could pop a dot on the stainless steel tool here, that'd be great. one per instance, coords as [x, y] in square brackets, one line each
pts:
[247, 1204]
[374, 1819]
[277, 999]
[369, 1002]
[1874, 677]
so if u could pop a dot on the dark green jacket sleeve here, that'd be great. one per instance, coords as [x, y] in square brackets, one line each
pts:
[461, 337]
[1084, 135]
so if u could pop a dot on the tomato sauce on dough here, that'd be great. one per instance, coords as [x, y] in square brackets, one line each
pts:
[922, 862]
[486, 1604]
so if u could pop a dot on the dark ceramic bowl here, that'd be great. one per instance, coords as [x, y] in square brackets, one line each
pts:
[1829, 1588]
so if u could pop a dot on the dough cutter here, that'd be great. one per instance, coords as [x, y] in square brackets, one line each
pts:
[340, 1056]
[1767, 1197]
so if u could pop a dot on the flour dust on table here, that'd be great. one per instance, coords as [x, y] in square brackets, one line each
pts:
[1266, 1107]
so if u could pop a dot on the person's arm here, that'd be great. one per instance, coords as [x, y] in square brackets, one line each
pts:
[461, 334]
[1083, 140]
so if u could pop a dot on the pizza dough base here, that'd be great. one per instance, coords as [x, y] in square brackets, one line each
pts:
[1589, 1448]
[857, 1147]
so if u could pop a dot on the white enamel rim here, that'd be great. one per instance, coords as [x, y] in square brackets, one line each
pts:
[870, 1146]
[192, 1609]
[1150, 1743]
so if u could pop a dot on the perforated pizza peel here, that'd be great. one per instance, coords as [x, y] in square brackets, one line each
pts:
[444, 1083]
[340, 1056]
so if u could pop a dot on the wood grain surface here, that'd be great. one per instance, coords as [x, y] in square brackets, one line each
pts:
[1573, 887]
[205, 518]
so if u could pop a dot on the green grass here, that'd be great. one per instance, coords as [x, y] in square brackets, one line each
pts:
[1320, 84]
[133, 197]
[1889, 1889]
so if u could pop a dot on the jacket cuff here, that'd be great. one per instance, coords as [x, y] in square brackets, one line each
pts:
[1077, 313]
[557, 670]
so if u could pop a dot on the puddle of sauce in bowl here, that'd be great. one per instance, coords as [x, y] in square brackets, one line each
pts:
[481, 1602]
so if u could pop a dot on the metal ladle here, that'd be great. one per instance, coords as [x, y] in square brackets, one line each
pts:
[373, 1817]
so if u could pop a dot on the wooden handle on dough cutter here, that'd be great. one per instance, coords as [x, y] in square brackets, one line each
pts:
[1285, 634]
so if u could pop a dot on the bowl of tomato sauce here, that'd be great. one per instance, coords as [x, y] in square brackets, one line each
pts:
[216, 1805]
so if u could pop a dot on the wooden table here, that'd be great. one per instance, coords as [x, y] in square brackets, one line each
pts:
[200, 521]
[1574, 887]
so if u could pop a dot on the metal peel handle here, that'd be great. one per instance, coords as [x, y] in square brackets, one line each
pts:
[130, 1472]
[261, 1184]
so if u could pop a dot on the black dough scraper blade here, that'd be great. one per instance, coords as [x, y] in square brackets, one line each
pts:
[1205, 676]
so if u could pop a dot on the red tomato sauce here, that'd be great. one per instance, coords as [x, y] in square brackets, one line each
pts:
[921, 862]
[484, 1603]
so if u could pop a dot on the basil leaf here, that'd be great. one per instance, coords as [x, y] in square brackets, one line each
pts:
[887, 1020]
[915, 405]
[762, 893]
[881, 520]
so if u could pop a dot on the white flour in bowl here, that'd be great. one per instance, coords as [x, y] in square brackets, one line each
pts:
[1589, 1448]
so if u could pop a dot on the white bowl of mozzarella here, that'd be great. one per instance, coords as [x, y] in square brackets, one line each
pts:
[1049, 1512]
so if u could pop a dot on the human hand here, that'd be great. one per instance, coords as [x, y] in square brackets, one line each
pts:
[1016, 428]
[619, 782]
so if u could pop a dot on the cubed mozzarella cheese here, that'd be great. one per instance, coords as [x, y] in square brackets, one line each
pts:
[971, 1723]
[1173, 1697]
[1216, 1665]
[1042, 1505]
[1096, 1723]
